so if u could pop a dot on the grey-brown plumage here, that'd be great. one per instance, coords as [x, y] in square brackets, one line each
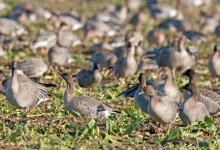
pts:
[168, 86]
[88, 77]
[208, 97]
[11, 27]
[214, 62]
[105, 59]
[172, 56]
[140, 100]
[126, 66]
[33, 67]
[84, 105]
[66, 38]
[45, 40]
[161, 108]
[59, 56]
[192, 109]
[23, 92]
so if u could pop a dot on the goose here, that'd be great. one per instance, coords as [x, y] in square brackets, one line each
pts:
[208, 97]
[11, 28]
[168, 88]
[161, 108]
[105, 59]
[139, 98]
[88, 77]
[66, 38]
[214, 62]
[21, 91]
[45, 40]
[172, 56]
[192, 109]
[33, 67]
[59, 56]
[126, 66]
[84, 105]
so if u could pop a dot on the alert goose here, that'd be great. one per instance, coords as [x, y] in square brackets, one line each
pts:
[192, 109]
[105, 59]
[84, 105]
[208, 97]
[161, 108]
[23, 92]
[33, 67]
[168, 86]
[214, 62]
[59, 56]
[139, 98]
[126, 66]
[88, 77]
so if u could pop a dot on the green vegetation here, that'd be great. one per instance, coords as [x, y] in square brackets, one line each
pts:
[50, 126]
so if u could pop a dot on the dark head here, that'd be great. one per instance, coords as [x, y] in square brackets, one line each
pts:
[215, 48]
[68, 79]
[142, 81]
[191, 87]
[191, 74]
[96, 67]
[14, 67]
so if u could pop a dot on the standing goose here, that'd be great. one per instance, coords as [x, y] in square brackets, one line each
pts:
[84, 105]
[88, 77]
[23, 92]
[192, 109]
[214, 62]
[168, 86]
[161, 108]
[126, 66]
[33, 67]
[139, 98]
[210, 98]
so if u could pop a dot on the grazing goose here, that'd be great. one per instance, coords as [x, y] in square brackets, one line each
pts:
[59, 56]
[156, 36]
[139, 98]
[126, 66]
[66, 38]
[84, 105]
[11, 28]
[88, 77]
[192, 109]
[168, 88]
[214, 62]
[33, 67]
[161, 108]
[105, 59]
[23, 92]
[45, 40]
[208, 97]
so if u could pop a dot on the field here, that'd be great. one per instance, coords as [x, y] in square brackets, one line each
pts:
[51, 126]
